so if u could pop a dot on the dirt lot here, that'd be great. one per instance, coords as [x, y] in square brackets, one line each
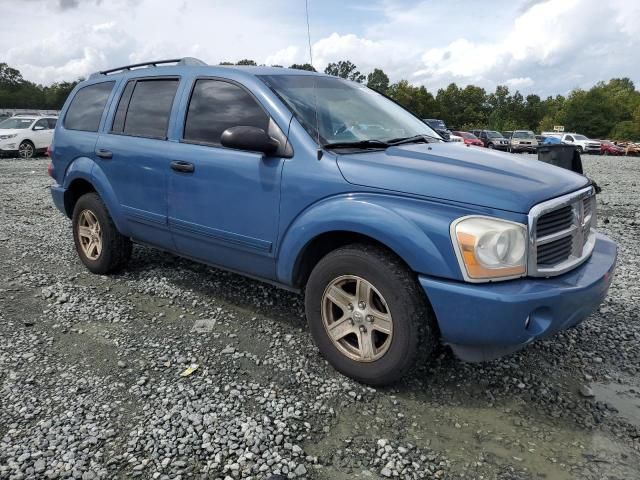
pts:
[90, 366]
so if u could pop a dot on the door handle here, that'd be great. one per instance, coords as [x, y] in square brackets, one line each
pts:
[104, 154]
[184, 167]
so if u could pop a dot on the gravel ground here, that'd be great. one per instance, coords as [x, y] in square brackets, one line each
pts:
[91, 385]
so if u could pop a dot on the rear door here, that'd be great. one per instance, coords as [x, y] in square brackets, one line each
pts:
[224, 203]
[133, 154]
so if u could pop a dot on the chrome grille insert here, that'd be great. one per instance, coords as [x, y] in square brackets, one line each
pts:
[561, 233]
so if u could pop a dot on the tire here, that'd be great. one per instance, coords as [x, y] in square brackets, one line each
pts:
[114, 250]
[490, 146]
[580, 149]
[413, 329]
[26, 150]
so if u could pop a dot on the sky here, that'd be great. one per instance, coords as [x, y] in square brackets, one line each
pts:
[536, 46]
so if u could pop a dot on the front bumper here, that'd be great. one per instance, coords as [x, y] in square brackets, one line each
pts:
[524, 148]
[485, 321]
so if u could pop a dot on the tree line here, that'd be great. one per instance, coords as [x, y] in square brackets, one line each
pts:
[607, 110]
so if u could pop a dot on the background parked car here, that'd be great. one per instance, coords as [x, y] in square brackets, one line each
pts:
[610, 148]
[583, 144]
[469, 138]
[26, 135]
[439, 126]
[631, 148]
[523, 141]
[492, 139]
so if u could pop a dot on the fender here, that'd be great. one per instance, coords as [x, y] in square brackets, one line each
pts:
[83, 168]
[416, 230]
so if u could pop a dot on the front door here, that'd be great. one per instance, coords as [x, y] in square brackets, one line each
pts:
[42, 133]
[224, 203]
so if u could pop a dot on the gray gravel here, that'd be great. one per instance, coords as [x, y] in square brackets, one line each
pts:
[91, 385]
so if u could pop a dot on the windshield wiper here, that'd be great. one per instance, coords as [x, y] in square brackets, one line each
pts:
[357, 144]
[412, 139]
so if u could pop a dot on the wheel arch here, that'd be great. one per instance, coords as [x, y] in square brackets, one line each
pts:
[372, 219]
[82, 178]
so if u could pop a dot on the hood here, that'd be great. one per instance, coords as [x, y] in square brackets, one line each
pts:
[464, 174]
[9, 131]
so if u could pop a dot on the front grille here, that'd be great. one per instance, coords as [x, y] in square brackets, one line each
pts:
[562, 233]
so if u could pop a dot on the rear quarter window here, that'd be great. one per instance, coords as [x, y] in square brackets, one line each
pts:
[87, 107]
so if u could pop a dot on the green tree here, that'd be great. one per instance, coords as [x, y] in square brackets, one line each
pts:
[378, 80]
[415, 99]
[303, 66]
[345, 69]
[248, 62]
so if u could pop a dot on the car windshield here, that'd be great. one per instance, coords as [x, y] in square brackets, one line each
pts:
[346, 111]
[523, 135]
[494, 135]
[16, 123]
[580, 137]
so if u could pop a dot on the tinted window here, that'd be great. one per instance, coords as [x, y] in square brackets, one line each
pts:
[87, 106]
[150, 108]
[121, 113]
[52, 123]
[216, 106]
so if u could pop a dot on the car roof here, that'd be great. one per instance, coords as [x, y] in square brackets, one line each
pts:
[189, 65]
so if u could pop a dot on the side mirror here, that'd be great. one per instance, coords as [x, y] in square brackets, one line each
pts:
[249, 138]
[38, 127]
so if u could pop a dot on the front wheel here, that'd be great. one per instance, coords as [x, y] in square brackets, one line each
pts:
[490, 146]
[26, 150]
[581, 149]
[367, 314]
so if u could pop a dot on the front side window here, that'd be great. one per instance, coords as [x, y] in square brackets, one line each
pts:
[87, 107]
[145, 108]
[52, 122]
[44, 123]
[335, 110]
[218, 105]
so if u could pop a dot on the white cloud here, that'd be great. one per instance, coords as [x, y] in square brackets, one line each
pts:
[519, 82]
[547, 46]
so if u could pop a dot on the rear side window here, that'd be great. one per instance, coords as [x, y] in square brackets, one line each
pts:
[217, 105]
[87, 106]
[145, 107]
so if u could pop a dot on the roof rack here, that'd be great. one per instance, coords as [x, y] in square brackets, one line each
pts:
[186, 61]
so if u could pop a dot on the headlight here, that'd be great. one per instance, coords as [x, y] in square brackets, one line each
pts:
[490, 249]
[7, 137]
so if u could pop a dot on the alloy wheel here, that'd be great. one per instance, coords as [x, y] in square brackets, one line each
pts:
[25, 150]
[90, 235]
[356, 318]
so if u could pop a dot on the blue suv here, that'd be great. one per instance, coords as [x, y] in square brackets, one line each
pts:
[320, 185]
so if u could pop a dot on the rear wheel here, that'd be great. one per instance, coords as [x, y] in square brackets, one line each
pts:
[100, 246]
[367, 314]
[26, 150]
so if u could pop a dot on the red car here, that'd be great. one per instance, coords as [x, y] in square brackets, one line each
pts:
[609, 148]
[469, 138]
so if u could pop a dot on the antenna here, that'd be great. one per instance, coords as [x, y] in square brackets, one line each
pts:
[306, 3]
